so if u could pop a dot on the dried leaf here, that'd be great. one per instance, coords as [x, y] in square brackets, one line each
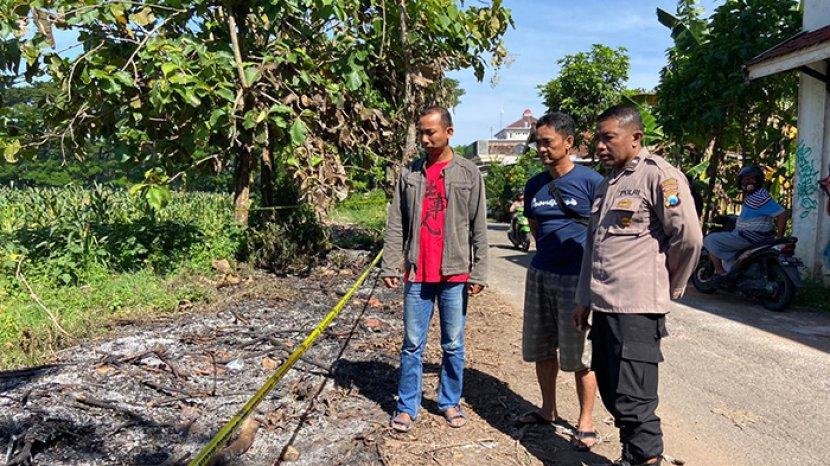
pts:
[420, 80]
[269, 364]
[44, 25]
[290, 454]
[105, 369]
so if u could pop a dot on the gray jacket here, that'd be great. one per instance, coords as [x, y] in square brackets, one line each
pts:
[465, 221]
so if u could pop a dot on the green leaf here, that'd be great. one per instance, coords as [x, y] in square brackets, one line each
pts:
[136, 188]
[280, 122]
[298, 132]
[10, 151]
[280, 108]
[353, 80]
[252, 75]
[124, 78]
[262, 116]
[191, 98]
[158, 197]
[249, 120]
[168, 68]
[226, 94]
[215, 115]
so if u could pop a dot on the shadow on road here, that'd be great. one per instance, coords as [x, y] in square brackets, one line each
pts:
[808, 327]
[490, 398]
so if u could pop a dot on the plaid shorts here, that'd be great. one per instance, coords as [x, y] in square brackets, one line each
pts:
[548, 321]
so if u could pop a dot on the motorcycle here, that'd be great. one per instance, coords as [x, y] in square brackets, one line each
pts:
[767, 273]
[519, 232]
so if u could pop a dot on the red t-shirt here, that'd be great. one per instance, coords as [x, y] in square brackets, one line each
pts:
[431, 241]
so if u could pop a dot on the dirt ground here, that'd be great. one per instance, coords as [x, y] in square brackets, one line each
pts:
[155, 392]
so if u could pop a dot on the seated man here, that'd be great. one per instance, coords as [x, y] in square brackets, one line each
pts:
[762, 219]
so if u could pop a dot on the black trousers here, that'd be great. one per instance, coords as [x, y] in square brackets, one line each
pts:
[626, 351]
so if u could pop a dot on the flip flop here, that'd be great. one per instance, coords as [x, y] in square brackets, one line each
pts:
[459, 414]
[578, 444]
[399, 423]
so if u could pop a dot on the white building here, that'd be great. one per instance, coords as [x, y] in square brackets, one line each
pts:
[507, 144]
[808, 52]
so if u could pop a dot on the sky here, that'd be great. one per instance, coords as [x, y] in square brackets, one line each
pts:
[547, 30]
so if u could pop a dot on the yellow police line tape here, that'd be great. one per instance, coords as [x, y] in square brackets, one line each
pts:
[224, 434]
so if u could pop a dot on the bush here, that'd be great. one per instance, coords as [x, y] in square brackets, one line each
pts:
[292, 240]
[503, 182]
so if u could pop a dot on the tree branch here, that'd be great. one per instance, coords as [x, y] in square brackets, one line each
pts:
[144, 42]
[237, 53]
[36, 298]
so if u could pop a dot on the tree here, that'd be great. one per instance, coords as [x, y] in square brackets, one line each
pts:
[705, 104]
[587, 84]
[294, 87]
[503, 182]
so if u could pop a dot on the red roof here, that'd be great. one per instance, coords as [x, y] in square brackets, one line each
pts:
[524, 122]
[800, 41]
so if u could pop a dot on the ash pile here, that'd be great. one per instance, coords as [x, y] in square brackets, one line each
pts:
[154, 393]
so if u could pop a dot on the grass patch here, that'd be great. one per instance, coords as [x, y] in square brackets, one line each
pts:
[366, 212]
[813, 294]
[27, 335]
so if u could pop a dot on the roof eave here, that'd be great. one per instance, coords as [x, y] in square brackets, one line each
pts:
[790, 61]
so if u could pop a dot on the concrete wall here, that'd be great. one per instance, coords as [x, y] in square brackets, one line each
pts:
[810, 222]
[816, 14]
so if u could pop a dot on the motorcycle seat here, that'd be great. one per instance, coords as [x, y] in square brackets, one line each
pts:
[746, 252]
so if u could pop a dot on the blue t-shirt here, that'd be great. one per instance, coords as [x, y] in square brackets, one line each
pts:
[559, 239]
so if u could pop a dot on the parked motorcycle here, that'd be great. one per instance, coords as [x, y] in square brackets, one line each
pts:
[519, 232]
[767, 273]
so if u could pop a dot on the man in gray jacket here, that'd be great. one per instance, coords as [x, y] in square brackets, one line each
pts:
[436, 242]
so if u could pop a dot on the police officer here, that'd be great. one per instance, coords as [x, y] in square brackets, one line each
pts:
[643, 245]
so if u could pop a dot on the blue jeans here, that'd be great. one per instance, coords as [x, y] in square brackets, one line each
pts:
[418, 305]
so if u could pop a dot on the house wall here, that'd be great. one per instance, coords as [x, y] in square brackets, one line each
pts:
[811, 223]
[816, 14]
[809, 219]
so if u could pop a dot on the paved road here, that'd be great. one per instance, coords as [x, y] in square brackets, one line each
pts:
[741, 385]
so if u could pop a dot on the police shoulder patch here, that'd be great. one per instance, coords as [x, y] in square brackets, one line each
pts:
[671, 192]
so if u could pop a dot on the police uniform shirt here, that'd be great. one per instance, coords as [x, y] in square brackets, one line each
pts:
[644, 239]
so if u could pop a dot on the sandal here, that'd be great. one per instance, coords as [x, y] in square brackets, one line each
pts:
[400, 423]
[578, 438]
[457, 415]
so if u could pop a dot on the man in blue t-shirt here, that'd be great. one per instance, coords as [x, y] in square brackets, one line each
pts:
[761, 220]
[558, 204]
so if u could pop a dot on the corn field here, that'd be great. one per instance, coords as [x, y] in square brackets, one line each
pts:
[64, 234]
